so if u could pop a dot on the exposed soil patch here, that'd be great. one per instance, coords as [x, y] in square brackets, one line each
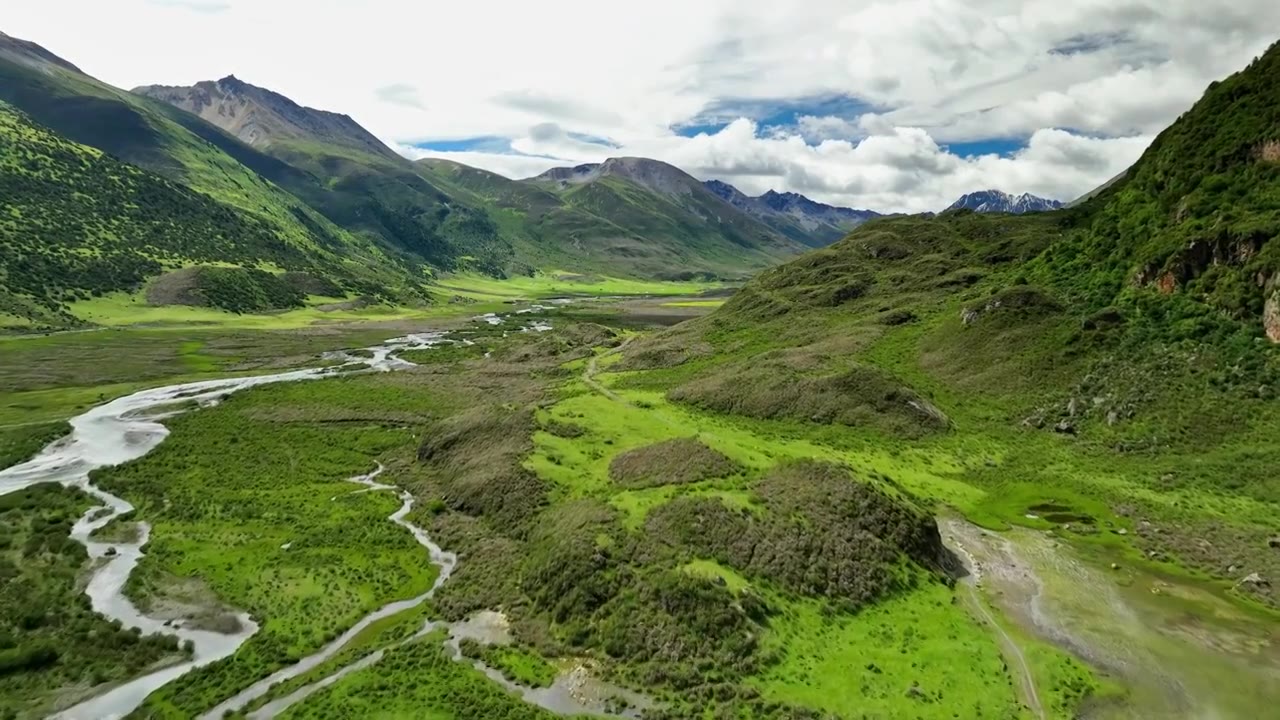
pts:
[190, 602]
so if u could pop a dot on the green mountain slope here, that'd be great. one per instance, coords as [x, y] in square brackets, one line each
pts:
[320, 179]
[179, 147]
[1116, 356]
[80, 223]
[141, 132]
[351, 177]
[620, 234]
[670, 218]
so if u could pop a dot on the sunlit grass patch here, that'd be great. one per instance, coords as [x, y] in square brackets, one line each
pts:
[868, 663]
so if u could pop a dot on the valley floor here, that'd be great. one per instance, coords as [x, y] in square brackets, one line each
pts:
[250, 510]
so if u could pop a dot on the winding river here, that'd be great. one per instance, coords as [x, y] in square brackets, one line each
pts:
[128, 428]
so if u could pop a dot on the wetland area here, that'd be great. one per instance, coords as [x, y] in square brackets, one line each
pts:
[233, 541]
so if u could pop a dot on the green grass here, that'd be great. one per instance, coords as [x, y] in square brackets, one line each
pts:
[865, 665]
[553, 283]
[234, 484]
[124, 309]
[717, 573]
[20, 442]
[381, 634]
[516, 664]
[695, 303]
[53, 646]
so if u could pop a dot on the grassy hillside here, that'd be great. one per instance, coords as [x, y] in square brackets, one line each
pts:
[194, 156]
[324, 185]
[142, 132]
[80, 224]
[671, 220]
[616, 225]
[457, 218]
[1118, 355]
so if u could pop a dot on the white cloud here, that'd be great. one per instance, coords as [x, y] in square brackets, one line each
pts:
[200, 6]
[400, 94]
[512, 166]
[938, 72]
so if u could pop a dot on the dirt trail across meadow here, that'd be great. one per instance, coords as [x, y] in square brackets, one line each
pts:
[970, 594]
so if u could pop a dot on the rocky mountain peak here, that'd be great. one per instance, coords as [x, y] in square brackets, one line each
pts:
[999, 201]
[261, 117]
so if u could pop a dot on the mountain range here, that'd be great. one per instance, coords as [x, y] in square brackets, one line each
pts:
[794, 215]
[350, 213]
[995, 201]
[355, 216]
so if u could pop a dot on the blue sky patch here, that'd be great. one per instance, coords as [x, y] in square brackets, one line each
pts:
[482, 143]
[991, 146]
[772, 112]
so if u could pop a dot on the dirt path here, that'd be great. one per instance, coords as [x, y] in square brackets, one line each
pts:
[1008, 646]
[592, 368]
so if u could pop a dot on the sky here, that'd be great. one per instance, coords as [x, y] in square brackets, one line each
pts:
[896, 106]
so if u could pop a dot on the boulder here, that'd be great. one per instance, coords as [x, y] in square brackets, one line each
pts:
[1271, 316]
[1255, 580]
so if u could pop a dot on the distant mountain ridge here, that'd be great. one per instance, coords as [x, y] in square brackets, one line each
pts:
[794, 215]
[260, 117]
[656, 202]
[993, 201]
[655, 175]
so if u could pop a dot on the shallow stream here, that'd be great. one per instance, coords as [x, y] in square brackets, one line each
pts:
[129, 427]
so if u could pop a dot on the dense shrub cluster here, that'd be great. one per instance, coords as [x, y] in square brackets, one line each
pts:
[824, 534]
[475, 456]
[1198, 213]
[673, 462]
[772, 389]
[246, 290]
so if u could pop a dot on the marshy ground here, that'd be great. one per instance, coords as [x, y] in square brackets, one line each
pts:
[546, 460]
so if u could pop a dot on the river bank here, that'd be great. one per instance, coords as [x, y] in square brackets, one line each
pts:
[1170, 648]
